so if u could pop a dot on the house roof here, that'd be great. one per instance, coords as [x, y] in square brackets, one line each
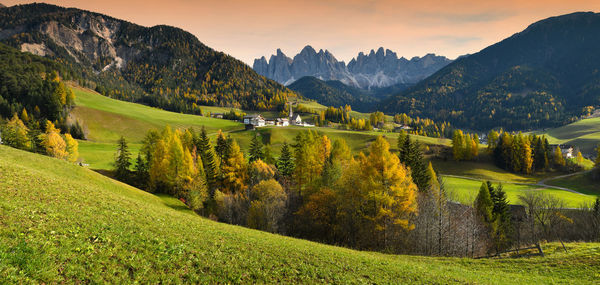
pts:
[254, 116]
[296, 116]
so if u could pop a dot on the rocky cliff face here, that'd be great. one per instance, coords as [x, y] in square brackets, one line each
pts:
[375, 70]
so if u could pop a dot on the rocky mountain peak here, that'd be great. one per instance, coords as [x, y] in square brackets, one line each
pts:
[378, 68]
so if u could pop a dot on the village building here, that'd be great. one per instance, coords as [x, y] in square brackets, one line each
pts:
[216, 115]
[282, 122]
[256, 120]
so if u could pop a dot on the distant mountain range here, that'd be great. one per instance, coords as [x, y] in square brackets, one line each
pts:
[381, 68]
[161, 66]
[546, 75]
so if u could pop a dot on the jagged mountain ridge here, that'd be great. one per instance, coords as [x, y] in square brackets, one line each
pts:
[162, 66]
[381, 68]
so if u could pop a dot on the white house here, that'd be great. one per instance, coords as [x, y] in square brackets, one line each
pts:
[254, 120]
[282, 122]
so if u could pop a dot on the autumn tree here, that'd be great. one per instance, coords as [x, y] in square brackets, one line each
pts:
[391, 189]
[72, 148]
[53, 143]
[267, 206]
[14, 134]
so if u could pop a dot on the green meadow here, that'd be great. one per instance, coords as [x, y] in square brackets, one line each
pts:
[61, 223]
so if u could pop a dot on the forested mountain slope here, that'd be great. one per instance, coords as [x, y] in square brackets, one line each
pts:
[161, 66]
[545, 76]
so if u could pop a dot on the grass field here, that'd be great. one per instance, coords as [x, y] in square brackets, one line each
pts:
[483, 170]
[585, 134]
[61, 223]
[465, 190]
[107, 119]
[582, 183]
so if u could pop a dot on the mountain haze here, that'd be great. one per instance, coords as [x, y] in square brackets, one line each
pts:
[381, 68]
[543, 76]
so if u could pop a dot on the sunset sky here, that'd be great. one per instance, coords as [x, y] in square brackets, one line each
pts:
[250, 29]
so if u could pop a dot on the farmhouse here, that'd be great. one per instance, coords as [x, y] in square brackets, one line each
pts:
[282, 122]
[256, 120]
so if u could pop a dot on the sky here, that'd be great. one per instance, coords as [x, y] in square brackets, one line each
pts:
[249, 29]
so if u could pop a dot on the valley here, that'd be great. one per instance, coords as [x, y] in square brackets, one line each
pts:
[135, 153]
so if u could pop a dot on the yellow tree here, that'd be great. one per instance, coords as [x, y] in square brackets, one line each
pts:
[391, 189]
[53, 143]
[72, 148]
[527, 156]
[458, 145]
[559, 160]
[235, 173]
[14, 134]
[579, 157]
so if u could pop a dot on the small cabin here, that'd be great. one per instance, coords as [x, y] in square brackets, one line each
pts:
[216, 115]
[282, 122]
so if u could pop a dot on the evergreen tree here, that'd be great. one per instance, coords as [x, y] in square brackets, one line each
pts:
[256, 149]
[207, 157]
[122, 160]
[141, 172]
[402, 137]
[222, 147]
[502, 217]
[285, 164]
[484, 204]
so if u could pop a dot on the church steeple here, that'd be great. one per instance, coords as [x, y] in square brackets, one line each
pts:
[291, 112]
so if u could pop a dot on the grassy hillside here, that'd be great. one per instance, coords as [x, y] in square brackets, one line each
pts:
[465, 190]
[107, 119]
[582, 183]
[585, 134]
[64, 223]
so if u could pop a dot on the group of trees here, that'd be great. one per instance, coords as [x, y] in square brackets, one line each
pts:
[527, 153]
[425, 127]
[492, 207]
[464, 146]
[15, 133]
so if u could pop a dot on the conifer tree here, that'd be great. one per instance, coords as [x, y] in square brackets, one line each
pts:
[256, 149]
[122, 160]
[207, 157]
[501, 216]
[483, 204]
[141, 172]
[285, 164]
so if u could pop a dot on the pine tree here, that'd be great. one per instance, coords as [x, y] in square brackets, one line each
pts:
[141, 172]
[285, 164]
[256, 149]
[483, 204]
[207, 157]
[222, 147]
[122, 160]
[418, 167]
[501, 216]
